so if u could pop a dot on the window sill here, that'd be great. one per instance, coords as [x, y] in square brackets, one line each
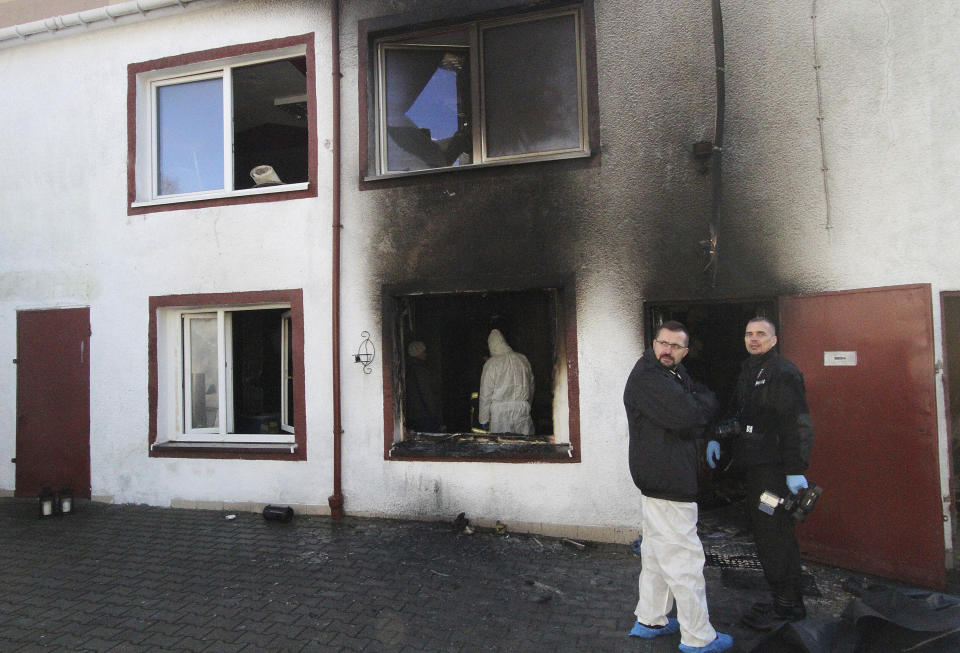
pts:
[519, 160]
[252, 447]
[471, 447]
[199, 197]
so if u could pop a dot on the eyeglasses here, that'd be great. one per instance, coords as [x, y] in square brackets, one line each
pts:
[672, 346]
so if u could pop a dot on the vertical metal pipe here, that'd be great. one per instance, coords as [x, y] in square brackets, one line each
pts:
[336, 499]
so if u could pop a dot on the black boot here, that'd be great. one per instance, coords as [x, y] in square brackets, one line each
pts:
[767, 616]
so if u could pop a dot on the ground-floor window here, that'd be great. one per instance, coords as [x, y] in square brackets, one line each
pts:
[458, 392]
[227, 375]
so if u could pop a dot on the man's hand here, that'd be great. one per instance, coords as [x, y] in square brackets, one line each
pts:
[796, 482]
[713, 453]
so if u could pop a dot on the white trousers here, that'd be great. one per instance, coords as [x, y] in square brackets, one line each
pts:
[672, 559]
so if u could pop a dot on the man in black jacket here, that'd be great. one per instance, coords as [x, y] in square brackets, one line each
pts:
[667, 411]
[773, 450]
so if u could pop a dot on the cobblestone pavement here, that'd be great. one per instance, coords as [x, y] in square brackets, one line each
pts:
[135, 578]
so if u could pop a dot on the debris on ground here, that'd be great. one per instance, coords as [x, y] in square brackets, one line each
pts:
[460, 523]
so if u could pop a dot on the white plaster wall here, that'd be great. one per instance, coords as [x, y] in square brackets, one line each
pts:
[889, 93]
[71, 242]
[889, 96]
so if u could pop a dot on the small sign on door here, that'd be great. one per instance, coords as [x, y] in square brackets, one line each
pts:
[839, 358]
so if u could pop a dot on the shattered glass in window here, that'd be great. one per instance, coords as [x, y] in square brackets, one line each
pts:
[427, 108]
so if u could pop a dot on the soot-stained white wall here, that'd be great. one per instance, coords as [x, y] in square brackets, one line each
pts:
[625, 228]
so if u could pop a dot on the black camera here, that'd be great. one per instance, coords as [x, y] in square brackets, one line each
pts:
[726, 431]
[798, 505]
[727, 428]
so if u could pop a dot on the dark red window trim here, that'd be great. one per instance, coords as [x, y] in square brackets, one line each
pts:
[292, 296]
[569, 312]
[135, 69]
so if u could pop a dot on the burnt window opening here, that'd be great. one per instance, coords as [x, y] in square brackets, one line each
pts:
[437, 383]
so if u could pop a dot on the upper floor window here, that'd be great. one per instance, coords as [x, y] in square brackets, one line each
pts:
[482, 93]
[223, 128]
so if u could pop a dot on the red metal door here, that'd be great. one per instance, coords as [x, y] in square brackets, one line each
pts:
[868, 361]
[53, 401]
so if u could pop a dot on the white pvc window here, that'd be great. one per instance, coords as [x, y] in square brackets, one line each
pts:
[482, 93]
[214, 129]
[236, 374]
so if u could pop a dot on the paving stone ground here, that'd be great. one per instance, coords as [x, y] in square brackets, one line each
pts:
[145, 579]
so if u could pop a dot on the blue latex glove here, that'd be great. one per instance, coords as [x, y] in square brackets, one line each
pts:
[713, 453]
[796, 482]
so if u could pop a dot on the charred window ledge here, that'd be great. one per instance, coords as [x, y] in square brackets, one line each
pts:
[474, 446]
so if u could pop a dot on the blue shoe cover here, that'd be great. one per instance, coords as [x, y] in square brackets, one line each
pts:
[721, 643]
[646, 632]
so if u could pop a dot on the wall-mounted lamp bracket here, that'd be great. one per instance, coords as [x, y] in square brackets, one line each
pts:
[366, 352]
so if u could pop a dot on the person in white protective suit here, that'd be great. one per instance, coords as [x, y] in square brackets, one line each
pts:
[506, 389]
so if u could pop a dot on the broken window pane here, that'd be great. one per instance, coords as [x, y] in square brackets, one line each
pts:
[482, 92]
[427, 107]
[531, 87]
[190, 137]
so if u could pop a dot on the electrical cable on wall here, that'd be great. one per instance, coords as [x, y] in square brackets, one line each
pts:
[710, 246]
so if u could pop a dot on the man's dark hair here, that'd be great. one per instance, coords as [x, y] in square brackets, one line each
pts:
[673, 325]
[762, 318]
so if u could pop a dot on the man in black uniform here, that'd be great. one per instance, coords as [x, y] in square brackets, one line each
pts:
[773, 449]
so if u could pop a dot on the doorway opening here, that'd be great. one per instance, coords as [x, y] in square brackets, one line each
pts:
[716, 352]
[950, 302]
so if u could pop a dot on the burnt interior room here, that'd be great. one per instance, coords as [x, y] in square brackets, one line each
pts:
[455, 326]
[716, 352]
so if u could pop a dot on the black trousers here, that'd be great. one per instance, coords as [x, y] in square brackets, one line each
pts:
[774, 534]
